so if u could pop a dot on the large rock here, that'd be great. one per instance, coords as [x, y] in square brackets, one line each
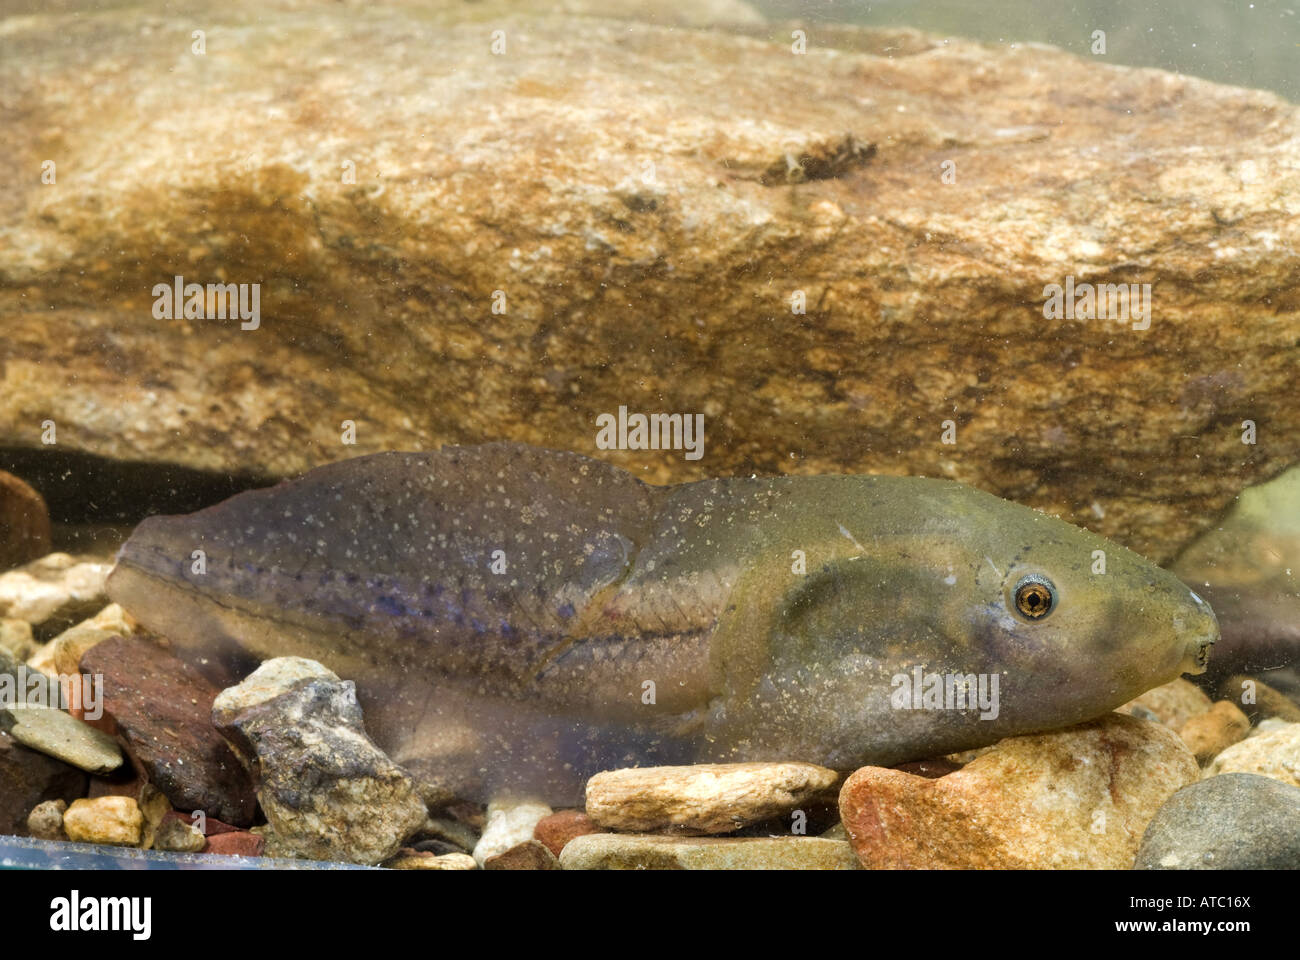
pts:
[161, 710]
[647, 199]
[704, 798]
[1076, 798]
[615, 851]
[1237, 821]
[327, 791]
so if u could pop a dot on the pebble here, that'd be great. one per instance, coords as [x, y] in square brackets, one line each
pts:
[562, 826]
[1258, 699]
[408, 859]
[1074, 798]
[110, 820]
[450, 831]
[24, 522]
[529, 855]
[621, 851]
[327, 791]
[705, 798]
[1235, 821]
[28, 778]
[1209, 734]
[1273, 754]
[56, 734]
[45, 822]
[54, 592]
[510, 822]
[178, 836]
[238, 843]
[161, 710]
[66, 650]
[16, 638]
[154, 808]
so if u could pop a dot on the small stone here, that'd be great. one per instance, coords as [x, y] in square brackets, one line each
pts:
[59, 735]
[161, 709]
[408, 859]
[510, 822]
[24, 523]
[705, 798]
[109, 820]
[45, 822]
[239, 843]
[27, 779]
[562, 826]
[54, 592]
[176, 835]
[67, 649]
[1074, 798]
[529, 855]
[1210, 733]
[154, 808]
[16, 638]
[1258, 699]
[1235, 821]
[327, 791]
[1274, 754]
[1171, 704]
[619, 851]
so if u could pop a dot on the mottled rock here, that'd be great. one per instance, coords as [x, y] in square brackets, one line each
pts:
[45, 822]
[178, 836]
[1075, 798]
[1274, 754]
[1258, 700]
[59, 735]
[705, 798]
[327, 791]
[529, 855]
[1236, 821]
[161, 710]
[615, 851]
[1171, 704]
[110, 820]
[154, 809]
[54, 592]
[510, 822]
[28, 778]
[407, 859]
[562, 826]
[1208, 734]
[24, 523]
[271, 679]
[1053, 182]
[237, 843]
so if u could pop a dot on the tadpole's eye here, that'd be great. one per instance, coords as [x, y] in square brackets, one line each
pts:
[1035, 597]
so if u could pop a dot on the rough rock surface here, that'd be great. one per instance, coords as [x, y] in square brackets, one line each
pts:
[27, 779]
[1210, 733]
[1237, 821]
[529, 855]
[1171, 704]
[54, 592]
[1076, 798]
[704, 798]
[1273, 754]
[112, 820]
[562, 826]
[616, 851]
[327, 791]
[407, 859]
[45, 822]
[59, 735]
[24, 523]
[161, 710]
[668, 194]
[65, 651]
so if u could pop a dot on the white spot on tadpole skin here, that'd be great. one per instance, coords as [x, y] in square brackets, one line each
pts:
[848, 536]
[951, 579]
[994, 566]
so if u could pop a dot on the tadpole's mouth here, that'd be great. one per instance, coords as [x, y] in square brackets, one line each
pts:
[1197, 655]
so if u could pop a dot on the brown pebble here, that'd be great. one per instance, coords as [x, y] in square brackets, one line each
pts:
[529, 855]
[561, 827]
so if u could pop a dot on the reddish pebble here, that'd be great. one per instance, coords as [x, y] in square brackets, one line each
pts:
[237, 843]
[561, 827]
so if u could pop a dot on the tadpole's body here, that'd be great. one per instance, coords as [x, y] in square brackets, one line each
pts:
[519, 619]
